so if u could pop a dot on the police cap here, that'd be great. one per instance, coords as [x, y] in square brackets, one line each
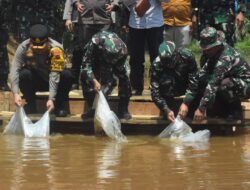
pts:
[39, 33]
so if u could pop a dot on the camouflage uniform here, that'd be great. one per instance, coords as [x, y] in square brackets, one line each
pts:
[30, 12]
[171, 73]
[226, 75]
[4, 60]
[105, 55]
[219, 14]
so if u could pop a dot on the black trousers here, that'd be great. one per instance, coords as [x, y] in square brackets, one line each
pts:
[137, 40]
[30, 82]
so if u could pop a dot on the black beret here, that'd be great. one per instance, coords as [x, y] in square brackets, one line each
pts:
[39, 31]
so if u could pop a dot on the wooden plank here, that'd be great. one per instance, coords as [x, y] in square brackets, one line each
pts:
[245, 104]
[77, 94]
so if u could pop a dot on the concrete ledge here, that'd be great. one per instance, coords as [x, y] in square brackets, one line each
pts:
[139, 124]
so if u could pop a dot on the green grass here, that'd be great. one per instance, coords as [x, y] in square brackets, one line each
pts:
[244, 48]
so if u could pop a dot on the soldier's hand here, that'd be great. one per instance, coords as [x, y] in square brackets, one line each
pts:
[97, 85]
[183, 110]
[199, 115]
[69, 25]
[79, 7]
[18, 100]
[170, 116]
[50, 105]
[109, 8]
[240, 20]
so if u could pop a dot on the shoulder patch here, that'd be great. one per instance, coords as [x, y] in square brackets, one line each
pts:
[57, 61]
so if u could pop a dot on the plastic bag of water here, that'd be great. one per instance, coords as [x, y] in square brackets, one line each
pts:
[176, 129]
[106, 119]
[180, 130]
[20, 124]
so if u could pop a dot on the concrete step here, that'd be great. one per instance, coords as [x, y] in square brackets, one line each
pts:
[139, 124]
[139, 105]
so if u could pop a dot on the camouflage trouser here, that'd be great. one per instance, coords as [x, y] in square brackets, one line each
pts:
[105, 75]
[235, 88]
[228, 96]
[4, 60]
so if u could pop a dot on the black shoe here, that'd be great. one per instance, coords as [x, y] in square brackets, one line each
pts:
[61, 113]
[75, 86]
[237, 115]
[88, 114]
[4, 87]
[136, 93]
[125, 115]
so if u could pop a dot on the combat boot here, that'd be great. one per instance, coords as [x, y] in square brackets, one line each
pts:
[235, 111]
[123, 109]
[88, 114]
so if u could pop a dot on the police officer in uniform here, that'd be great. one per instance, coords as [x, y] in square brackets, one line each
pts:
[105, 55]
[38, 65]
[171, 73]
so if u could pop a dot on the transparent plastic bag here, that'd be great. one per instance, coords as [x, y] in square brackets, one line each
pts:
[176, 129]
[20, 124]
[106, 119]
[181, 131]
[14, 127]
[199, 136]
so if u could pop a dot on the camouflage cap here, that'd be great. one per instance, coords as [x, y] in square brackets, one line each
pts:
[209, 38]
[106, 41]
[166, 49]
[166, 53]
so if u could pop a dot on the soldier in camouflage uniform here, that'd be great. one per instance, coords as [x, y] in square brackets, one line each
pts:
[4, 60]
[220, 14]
[105, 55]
[30, 12]
[225, 78]
[171, 73]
